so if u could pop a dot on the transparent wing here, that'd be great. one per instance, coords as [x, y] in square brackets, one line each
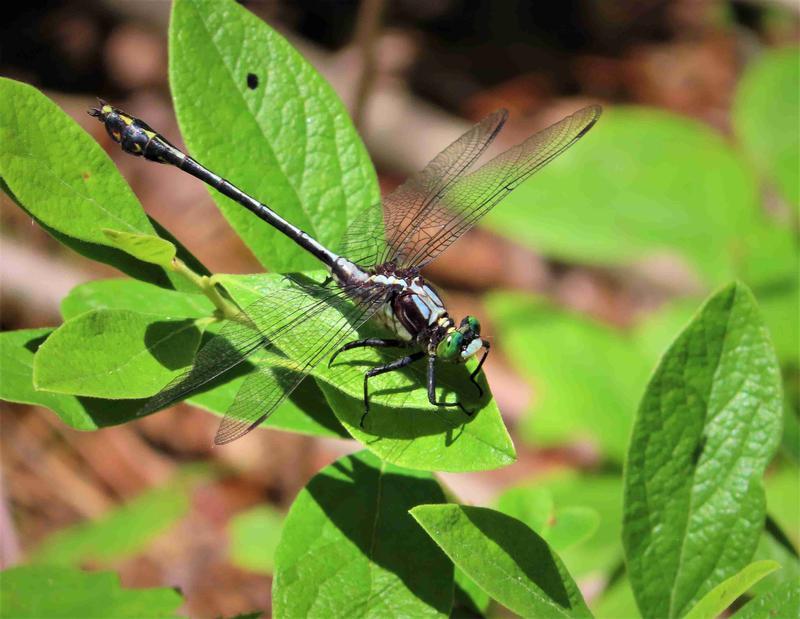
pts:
[383, 230]
[303, 346]
[467, 199]
[276, 320]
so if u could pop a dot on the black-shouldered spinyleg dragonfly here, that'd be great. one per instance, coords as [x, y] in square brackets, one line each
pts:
[375, 273]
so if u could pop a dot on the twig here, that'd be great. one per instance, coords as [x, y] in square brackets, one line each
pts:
[368, 26]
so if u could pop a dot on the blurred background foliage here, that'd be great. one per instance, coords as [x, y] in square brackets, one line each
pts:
[691, 179]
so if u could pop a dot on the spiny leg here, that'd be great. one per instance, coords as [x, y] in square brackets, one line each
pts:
[478, 369]
[432, 388]
[382, 369]
[374, 342]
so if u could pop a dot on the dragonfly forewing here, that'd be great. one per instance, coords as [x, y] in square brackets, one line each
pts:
[384, 230]
[288, 329]
[282, 366]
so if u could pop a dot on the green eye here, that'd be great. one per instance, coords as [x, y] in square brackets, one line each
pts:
[470, 323]
[450, 347]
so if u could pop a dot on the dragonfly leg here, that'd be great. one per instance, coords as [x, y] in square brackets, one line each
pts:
[478, 369]
[374, 342]
[382, 369]
[432, 388]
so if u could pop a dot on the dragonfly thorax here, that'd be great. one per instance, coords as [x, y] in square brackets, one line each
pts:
[415, 312]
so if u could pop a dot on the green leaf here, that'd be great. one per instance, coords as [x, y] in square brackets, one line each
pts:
[36, 591]
[560, 528]
[133, 295]
[707, 426]
[724, 594]
[144, 247]
[505, 558]
[350, 549]
[766, 117]
[289, 142]
[306, 411]
[17, 349]
[115, 354]
[254, 536]
[582, 372]
[783, 601]
[468, 596]
[58, 174]
[402, 427]
[629, 191]
[120, 533]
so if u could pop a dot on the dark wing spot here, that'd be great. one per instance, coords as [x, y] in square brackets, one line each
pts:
[252, 81]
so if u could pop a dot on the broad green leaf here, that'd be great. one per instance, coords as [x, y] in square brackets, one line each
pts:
[707, 426]
[58, 174]
[133, 295]
[724, 594]
[402, 427]
[37, 591]
[17, 349]
[631, 190]
[468, 597]
[505, 558]
[783, 601]
[350, 549]
[306, 411]
[586, 376]
[254, 536]
[144, 247]
[289, 141]
[115, 354]
[561, 528]
[766, 117]
[120, 533]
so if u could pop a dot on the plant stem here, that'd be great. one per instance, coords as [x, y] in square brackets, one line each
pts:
[208, 286]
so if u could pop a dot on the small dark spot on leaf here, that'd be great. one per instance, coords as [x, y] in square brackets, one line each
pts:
[85, 176]
[698, 450]
[252, 81]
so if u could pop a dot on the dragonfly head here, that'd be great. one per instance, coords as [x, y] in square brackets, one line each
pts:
[460, 344]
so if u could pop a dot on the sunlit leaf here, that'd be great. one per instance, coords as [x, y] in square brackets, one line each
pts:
[349, 548]
[707, 427]
[289, 141]
[505, 558]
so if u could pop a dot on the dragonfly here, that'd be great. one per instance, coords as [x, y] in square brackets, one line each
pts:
[374, 273]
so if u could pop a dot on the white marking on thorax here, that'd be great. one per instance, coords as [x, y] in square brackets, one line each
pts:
[428, 302]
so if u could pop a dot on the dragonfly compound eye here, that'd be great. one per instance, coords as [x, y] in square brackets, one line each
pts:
[450, 347]
[470, 323]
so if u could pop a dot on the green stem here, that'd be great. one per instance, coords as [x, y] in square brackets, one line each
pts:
[208, 286]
